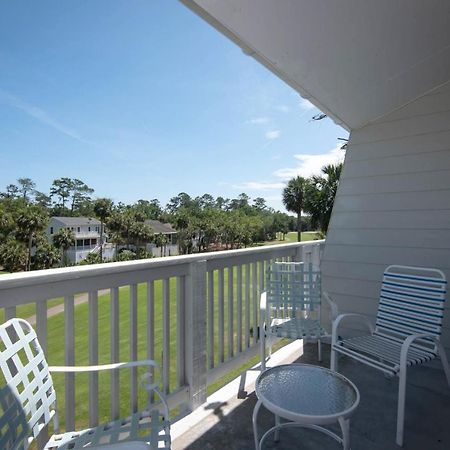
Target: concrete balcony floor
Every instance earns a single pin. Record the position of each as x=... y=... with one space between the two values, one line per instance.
x=373 y=425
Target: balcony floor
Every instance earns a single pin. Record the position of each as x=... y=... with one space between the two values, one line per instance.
x=373 y=425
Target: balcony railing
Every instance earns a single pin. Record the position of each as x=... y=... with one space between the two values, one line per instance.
x=197 y=315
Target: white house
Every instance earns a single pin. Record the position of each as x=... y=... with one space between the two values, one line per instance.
x=87 y=235
x=171 y=235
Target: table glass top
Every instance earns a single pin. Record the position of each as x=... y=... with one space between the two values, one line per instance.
x=306 y=390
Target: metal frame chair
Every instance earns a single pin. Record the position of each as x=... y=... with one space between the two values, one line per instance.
x=28 y=399
x=291 y=305
x=407 y=330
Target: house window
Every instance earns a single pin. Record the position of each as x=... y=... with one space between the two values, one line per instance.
x=96 y=229
x=51 y=230
x=93 y=241
x=89 y=228
x=87 y=242
x=79 y=242
x=78 y=229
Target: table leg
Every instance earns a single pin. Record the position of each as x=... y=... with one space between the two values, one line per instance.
x=276 y=436
x=255 y=424
x=345 y=427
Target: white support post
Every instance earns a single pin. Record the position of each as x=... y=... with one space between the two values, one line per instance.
x=298 y=256
x=195 y=337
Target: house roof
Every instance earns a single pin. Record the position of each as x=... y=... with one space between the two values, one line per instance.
x=355 y=60
x=77 y=221
x=160 y=227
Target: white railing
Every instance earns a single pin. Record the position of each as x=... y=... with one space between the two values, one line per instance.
x=197 y=315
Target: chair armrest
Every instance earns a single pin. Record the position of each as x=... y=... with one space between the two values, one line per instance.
x=407 y=343
x=332 y=304
x=341 y=317
x=100 y=367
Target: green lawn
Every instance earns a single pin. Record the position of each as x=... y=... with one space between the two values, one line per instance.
x=56 y=349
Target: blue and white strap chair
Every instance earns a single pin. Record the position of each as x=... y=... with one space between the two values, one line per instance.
x=407 y=330
x=291 y=305
x=28 y=400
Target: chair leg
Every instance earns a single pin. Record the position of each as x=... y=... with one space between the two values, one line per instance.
x=444 y=361
x=319 y=350
x=263 y=350
x=401 y=406
x=276 y=435
x=334 y=361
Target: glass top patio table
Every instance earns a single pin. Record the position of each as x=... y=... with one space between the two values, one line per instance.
x=307 y=393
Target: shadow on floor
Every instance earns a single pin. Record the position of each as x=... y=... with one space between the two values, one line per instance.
x=373 y=425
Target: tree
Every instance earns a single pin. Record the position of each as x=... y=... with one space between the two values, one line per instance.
x=13 y=255
x=160 y=241
x=80 y=193
x=102 y=209
x=63 y=239
x=293 y=196
x=320 y=193
x=45 y=255
x=42 y=199
x=61 y=188
x=12 y=191
x=26 y=185
x=30 y=222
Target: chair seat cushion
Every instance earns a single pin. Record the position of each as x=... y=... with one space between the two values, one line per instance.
x=142 y=426
x=297 y=328
x=382 y=352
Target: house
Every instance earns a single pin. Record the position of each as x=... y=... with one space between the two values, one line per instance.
x=170 y=247
x=86 y=231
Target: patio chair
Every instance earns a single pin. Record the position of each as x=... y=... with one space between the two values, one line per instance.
x=407 y=330
x=291 y=305
x=28 y=399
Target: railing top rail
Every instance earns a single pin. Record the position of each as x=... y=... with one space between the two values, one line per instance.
x=94 y=270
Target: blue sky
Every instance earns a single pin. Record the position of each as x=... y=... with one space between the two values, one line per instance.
x=143 y=99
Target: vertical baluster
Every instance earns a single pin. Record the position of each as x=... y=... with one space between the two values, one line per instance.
x=255 y=301
x=115 y=355
x=221 y=318
x=151 y=328
x=41 y=331
x=93 y=358
x=230 y=312
x=181 y=295
x=211 y=319
x=69 y=360
x=166 y=336
x=239 y=308
x=247 y=305
x=10 y=312
x=133 y=348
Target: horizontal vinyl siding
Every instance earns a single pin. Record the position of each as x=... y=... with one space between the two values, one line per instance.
x=393 y=204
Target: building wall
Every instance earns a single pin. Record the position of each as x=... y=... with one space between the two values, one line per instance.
x=393 y=203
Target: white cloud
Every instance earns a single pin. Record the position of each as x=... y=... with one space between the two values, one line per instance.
x=258 y=120
x=311 y=164
x=40 y=115
x=283 y=108
x=274 y=134
x=259 y=186
x=306 y=104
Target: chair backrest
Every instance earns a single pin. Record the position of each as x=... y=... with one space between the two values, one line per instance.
x=411 y=301
x=27 y=397
x=293 y=290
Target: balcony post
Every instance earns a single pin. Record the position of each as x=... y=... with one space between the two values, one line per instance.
x=195 y=334
x=298 y=256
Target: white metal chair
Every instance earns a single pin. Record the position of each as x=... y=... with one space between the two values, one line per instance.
x=291 y=305
x=28 y=399
x=407 y=330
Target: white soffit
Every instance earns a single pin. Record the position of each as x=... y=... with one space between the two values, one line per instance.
x=357 y=60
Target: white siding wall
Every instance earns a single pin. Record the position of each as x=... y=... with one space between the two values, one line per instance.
x=393 y=203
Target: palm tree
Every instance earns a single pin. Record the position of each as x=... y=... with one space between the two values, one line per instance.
x=31 y=221
x=293 y=196
x=320 y=194
x=64 y=239
x=102 y=209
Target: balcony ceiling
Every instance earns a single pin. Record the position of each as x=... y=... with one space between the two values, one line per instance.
x=355 y=60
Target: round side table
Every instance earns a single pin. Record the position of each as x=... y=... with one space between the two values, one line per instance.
x=307 y=396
